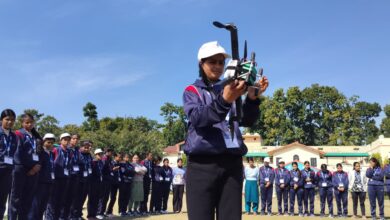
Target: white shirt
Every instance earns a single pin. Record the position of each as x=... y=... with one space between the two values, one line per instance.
x=178 y=176
x=251 y=173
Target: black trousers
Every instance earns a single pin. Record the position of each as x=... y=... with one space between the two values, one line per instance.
x=113 y=192
x=157 y=197
x=81 y=196
x=40 y=201
x=5 y=188
x=57 y=199
x=144 y=204
x=106 y=189
x=165 y=195
x=71 y=198
x=95 y=195
x=22 y=193
x=214 y=186
x=124 y=196
x=178 y=191
x=361 y=196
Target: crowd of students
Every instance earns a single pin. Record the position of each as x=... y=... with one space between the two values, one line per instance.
x=42 y=179
x=300 y=185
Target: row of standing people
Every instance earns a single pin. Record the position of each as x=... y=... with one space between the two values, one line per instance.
x=300 y=185
x=41 y=179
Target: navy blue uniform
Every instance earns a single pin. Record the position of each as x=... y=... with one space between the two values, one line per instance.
x=266 y=175
x=55 y=208
x=168 y=178
x=147 y=181
x=387 y=181
x=44 y=187
x=8 y=145
x=116 y=181
x=83 y=184
x=340 y=179
x=309 y=185
x=325 y=186
x=214 y=155
x=106 y=185
x=282 y=177
x=296 y=179
x=158 y=176
x=95 y=194
x=74 y=188
x=23 y=185
x=127 y=174
x=376 y=190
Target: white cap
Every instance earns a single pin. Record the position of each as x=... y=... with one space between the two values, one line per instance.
x=267 y=160
x=210 y=49
x=64 y=135
x=49 y=136
x=98 y=151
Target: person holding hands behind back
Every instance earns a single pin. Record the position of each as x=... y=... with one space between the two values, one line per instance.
x=214 y=151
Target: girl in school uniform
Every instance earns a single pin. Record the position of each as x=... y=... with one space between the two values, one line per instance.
x=282 y=180
x=116 y=181
x=74 y=180
x=62 y=158
x=358 y=188
x=166 y=186
x=137 y=188
x=324 y=183
x=8 y=145
x=178 y=183
x=296 y=189
x=387 y=175
x=267 y=177
x=157 y=186
x=376 y=188
x=214 y=151
x=46 y=178
x=309 y=186
x=25 y=173
x=251 y=187
x=127 y=174
x=340 y=185
x=95 y=191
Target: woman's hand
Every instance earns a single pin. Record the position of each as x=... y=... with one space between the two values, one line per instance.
x=234 y=90
x=260 y=86
x=34 y=170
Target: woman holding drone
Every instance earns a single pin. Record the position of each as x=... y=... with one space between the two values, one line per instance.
x=214 y=147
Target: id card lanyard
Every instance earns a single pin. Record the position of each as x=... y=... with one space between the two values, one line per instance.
x=7 y=143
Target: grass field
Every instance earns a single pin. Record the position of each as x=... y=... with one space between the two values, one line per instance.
x=183 y=216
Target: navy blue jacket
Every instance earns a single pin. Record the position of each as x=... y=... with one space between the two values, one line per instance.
x=376 y=176
x=340 y=177
x=86 y=166
x=62 y=160
x=282 y=174
x=158 y=174
x=149 y=166
x=107 y=168
x=293 y=175
x=324 y=177
x=26 y=149
x=127 y=172
x=168 y=175
x=309 y=174
x=8 y=146
x=97 y=171
x=76 y=162
x=266 y=172
x=47 y=166
x=116 y=176
x=387 y=174
x=206 y=112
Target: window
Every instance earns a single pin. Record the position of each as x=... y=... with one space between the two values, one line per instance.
x=313 y=162
x=296 y=158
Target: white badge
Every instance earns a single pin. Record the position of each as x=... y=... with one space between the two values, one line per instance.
x=324 y=184
x=167 y=179
x=296 y=179
x=76 y=168
x=228 y=140
x=161 y=179
x=53 y=176
x=101 y=179
x=85 y=173
x=266 y=179
x=281 y=181
x=35 y=157
x=112 y=174
x=308 y=183
x=119 y=179
x=66 y=172
x=90 y=170
x=341 y=185
x=8 y=160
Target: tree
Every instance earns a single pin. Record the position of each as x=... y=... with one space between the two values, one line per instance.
x=378 y=156
x=174 y=130
x=385 y=125
x=49 y=124
x=92 y=123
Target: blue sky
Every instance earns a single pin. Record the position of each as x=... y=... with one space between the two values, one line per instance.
x=129 y=57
